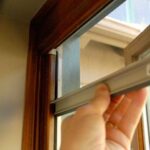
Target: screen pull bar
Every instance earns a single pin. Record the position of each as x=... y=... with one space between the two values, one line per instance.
x=134 y=76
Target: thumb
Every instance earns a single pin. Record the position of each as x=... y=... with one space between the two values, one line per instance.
x=101 y=100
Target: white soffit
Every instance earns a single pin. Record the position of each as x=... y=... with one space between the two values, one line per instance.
x=111 y=32
x=22 y=10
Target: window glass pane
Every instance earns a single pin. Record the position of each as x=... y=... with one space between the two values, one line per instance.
x=141 y=8
x=133 y=12
x=120 y=13
x=70 y=70
x=98 y=60
x=99 y=51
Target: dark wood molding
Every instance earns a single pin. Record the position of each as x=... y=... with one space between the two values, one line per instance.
x=47 y=93
x=42 y=14
x=55 y=22
x=40 y=84
x=140 y=135
x=64 y=18
x=31 y=101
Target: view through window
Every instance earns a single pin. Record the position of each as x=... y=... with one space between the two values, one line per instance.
x=100 y=51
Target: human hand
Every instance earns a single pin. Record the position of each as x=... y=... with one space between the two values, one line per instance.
x=104 y=124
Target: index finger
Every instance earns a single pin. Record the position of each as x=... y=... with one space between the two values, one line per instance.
x=102 y=99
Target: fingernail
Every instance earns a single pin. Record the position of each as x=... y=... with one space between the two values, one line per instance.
x=102 y=87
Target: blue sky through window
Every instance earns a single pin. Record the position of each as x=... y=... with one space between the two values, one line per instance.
x=133 y=12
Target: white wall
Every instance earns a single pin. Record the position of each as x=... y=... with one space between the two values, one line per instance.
x=13 y=58
x=99 y=60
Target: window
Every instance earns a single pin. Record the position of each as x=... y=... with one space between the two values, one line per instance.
x=49 y=29
x=88 y=61
x=89 y=53
x=64 y=107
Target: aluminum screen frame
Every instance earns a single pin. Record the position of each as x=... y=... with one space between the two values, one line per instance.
x=135 y=76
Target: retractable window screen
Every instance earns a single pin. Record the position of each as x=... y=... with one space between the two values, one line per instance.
x=136 y=75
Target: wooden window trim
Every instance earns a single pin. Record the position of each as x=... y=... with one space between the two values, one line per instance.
x=40 y=83
x=55 y=22
x=63 y=19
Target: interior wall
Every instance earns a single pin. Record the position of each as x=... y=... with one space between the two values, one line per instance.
x=13 y=59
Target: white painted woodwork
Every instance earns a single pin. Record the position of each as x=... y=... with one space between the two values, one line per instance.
x=110 y=32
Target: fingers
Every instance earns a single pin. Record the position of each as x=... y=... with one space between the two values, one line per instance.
x=66 y=121
x=102 y=99
x=98 y=105
x=112 y=106
x=132 y=116
x=115 y=135
x=120 y=111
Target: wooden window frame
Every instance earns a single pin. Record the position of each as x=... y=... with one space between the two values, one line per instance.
x=53 y=24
